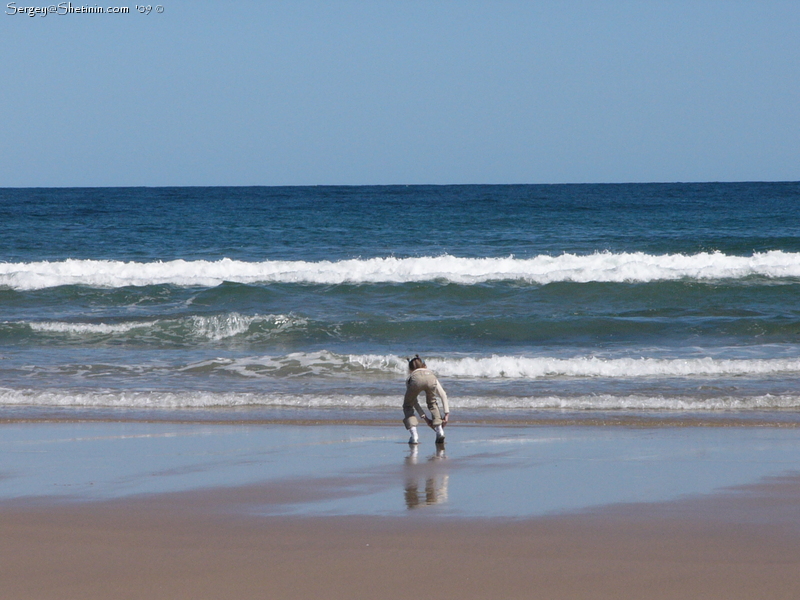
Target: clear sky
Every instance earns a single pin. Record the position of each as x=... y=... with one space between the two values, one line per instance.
x=401 y=92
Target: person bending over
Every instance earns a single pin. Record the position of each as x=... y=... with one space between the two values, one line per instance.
x=423 y=380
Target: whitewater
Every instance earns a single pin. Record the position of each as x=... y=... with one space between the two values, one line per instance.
x=343 y=404
x=635 y=267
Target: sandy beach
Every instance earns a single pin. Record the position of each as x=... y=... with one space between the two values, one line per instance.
x=336 y=512
x=168 y=549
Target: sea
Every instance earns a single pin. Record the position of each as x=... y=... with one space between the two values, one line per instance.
x=528 y=301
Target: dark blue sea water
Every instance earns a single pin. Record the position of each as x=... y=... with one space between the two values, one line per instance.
x=630 y=297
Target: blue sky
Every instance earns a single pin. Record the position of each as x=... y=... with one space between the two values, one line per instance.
x=402 y=92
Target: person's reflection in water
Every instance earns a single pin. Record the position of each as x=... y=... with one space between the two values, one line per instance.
x=435 y=488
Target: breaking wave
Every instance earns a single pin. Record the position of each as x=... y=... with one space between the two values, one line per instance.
x=511 y=367
x=514 y=367
x=532 y=368
x=82 y=328
x=325 y=364
x=197 y=399
x=542 y=269
x=190 y=328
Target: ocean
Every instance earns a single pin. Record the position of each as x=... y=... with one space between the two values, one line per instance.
x=528 y=301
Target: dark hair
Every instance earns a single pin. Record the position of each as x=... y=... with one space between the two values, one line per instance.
x=415 y=363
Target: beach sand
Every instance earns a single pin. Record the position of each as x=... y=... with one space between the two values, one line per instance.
x=411 y=531
x=175 y=547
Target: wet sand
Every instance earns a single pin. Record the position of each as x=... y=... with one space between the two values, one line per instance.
x=187 y=545
x=368 y=470
x=322 y=512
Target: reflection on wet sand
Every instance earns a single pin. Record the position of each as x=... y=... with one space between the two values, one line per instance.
x=435 y=489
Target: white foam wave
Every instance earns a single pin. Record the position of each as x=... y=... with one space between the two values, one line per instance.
x=214 y=327
x=532 y=368
x=84 y=328
x=329 y=364
x=192 y=399
x=520 y=367
x=542 y=269
x=319 y=364
x=219 y=327
x=178 y=400
x=608 y=402
x=366 y=367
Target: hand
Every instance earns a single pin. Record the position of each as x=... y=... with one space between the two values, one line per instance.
x=446 y=419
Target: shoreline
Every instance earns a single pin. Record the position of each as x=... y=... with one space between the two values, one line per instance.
x=789 y=418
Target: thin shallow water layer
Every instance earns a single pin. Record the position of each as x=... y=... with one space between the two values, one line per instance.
x=483 y=471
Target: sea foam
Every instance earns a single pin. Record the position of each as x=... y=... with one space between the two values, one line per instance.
x=624 y=368
x=83 y=328
x=146 y=400
x=522 y=367
x=329 y=364
x=542 y=269
x=193 y=328
x=370 y=367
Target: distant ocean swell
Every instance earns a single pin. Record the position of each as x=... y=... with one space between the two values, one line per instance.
x=542 y=269
x=201 y=399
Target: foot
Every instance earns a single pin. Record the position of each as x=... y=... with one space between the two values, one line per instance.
x=439 y=435
x=414 y=439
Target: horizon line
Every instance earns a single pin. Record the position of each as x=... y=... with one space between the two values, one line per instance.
x=374 y=185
